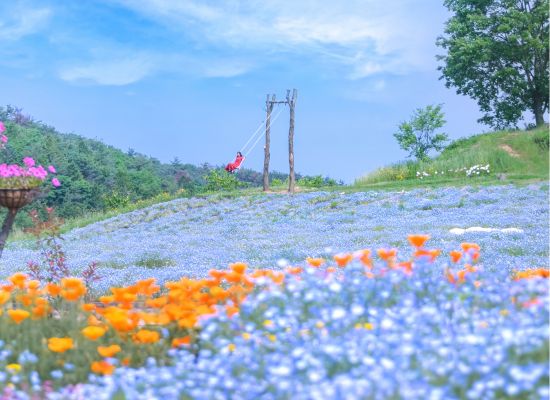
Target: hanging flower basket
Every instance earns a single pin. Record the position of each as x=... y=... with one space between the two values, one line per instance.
x=17 y=198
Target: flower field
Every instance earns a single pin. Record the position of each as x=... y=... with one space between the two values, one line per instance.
x=315 y=296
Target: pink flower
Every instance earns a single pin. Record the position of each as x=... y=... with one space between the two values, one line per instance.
x=3 y=138
x=51 y=168
x=29 y=162
x=56 y=182
x=2 y=127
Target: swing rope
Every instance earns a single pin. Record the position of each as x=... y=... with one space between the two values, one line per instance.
x=252 y=137
x=260 y=136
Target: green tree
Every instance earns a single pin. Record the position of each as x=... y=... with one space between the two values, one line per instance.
x=497 y=53
x=418 y=136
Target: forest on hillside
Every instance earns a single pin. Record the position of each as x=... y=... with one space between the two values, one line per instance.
x=96 y=176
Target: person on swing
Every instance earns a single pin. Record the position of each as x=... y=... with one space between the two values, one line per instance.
x=231 y=167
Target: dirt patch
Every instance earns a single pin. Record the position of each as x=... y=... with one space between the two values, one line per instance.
x=509 y=150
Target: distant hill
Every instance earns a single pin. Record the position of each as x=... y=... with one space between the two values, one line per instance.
x=509 y=154
x=96 y=176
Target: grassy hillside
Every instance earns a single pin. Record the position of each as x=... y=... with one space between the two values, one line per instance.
x=98 y=178
x=511 y=156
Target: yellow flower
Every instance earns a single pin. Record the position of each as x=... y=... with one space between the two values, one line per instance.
x=368 y=326
x=231 y=347
x=246 y=336
x=13 y=368
x=93 y=332
x=60 y=345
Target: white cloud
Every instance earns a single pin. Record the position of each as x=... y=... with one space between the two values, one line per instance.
x=115 y=72
x=225 y=69
x=115 y=65
x=21 y=22
x=367 y=37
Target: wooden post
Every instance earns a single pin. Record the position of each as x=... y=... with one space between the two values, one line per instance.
x=6 y=227
x=292 y=104
x=269 y=109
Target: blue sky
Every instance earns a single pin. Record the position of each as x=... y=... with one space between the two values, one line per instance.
x=189 y=78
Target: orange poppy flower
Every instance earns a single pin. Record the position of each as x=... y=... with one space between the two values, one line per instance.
x=418 y=240
x=182 y=341
x=4 y=297
x=72 y=289
x=277 y=277
x=18 y=279
x=469 y=246
x=231 y=310
x=88 y=307
x=343 y=259
x=407 y=266
x=216 y=274
x=294 y=270
x=18 y=315
x=450 y=277
x=218 y=293
x=60 y=345
x=455 y=256
x=40 y=311
x=238 y=267
x=461 y=275
x=26 y=299
x=387 y=254
x=52 y=289
x=315 y=262
x=365 y=257
x=93 y=332
x=156 y=302
x=108 y=351
x=145 y=336
x=33 y=284
x=102 y=367
x=107 y=299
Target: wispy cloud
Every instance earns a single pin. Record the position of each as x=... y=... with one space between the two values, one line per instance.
x=116 y=65
x=23 y=21
x=108 y=71
x=365 y=36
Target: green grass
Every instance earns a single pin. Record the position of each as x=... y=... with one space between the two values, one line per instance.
x=155 y=261
x=512 y=155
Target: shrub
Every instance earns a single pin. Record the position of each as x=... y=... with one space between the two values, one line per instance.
x=218 y=180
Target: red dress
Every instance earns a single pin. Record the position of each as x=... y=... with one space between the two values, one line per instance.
x=235 y=164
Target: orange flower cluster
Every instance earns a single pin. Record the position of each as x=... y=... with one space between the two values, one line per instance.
x=468 y=249
x=131 y=317
x=532 y=273
x=183 y=303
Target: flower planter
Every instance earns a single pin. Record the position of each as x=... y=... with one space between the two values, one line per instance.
x=13 y=200
x=17 y=198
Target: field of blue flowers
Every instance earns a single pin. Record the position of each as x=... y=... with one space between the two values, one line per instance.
x=190 y=236
x=337 y=335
